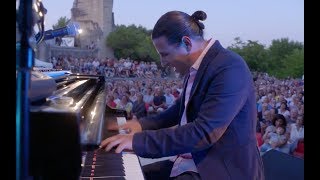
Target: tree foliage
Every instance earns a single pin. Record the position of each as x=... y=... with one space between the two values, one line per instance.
x=62 y=22
x=294 y=64
x=133 y=42
x=253 y=52
x=278 y=51
x=282 y=59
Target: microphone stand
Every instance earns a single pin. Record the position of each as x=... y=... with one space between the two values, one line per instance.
x=24 y=65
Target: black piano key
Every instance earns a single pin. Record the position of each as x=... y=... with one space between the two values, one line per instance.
x=109 y=156
x=110 y=166
x=102 y=152
x=99 y=162
x=106 y=172
x=109 y=178
x=101 y=159
x=102 y=178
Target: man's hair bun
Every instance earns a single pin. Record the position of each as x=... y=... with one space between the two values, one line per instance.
x=199 y=16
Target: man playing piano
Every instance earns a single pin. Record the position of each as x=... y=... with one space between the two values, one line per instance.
x=215 y=115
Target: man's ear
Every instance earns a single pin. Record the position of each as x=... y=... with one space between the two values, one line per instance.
x=187 y=43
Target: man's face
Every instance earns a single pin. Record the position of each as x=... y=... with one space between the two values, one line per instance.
x=173 y=55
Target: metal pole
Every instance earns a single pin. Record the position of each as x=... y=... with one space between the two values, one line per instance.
x=23 y=64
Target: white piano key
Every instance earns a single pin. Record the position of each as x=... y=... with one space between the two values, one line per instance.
x=132 y=167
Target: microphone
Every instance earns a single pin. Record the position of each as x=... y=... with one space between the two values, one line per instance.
x=71 y=29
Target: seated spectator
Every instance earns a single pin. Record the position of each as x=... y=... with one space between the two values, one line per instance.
x=294 y=104
x=159 y=102
x=140 y=71
x=175 y=92
x=169 y=97
x=296 y=133
x=278 y=120
x=139 y=107
x=265 y=121
x=148 y=96
x=273 y=112
x=280 y=100
x=265 y=103
x=110 y=101
x=109 y=70
x=301 y=109
x=153 y=66
x=116 y=97
x=284 y=110
x=293 y=116
x=273 y=139
x=132 y=95
x=125 y=104
x=148 y=74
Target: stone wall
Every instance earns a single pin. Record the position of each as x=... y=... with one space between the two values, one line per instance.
x=72 y=51
x=95 y=18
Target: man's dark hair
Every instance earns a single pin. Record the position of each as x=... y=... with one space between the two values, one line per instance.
x=176 y=24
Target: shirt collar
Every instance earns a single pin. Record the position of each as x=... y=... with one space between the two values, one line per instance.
x=196 y=64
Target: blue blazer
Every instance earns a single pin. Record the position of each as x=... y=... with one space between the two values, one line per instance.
x=221 y=128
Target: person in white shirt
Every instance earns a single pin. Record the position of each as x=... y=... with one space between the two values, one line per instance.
x=296 y=133
x=148 y=96
x=284 y=110
x=169 y=97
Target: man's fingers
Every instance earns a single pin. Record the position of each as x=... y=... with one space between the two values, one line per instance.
x=105 y=142
x=121 y=141
x=112 y=144
x=120 y=148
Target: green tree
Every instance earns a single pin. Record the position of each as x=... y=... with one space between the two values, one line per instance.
x=133 y=42
x=62 y=22
x=146 y=51
x=282 y=59
x=293 y=65
x=278 y=51
x=253 y=53
x=237 y=45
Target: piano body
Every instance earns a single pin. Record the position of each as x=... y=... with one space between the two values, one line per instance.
x=66 y=129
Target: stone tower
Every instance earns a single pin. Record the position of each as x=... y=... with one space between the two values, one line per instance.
x=96 y=20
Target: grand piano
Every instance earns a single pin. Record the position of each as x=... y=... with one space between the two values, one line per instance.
x=66 y=129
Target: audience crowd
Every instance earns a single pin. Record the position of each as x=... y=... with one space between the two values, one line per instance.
x=143 y=88
x=110 y=67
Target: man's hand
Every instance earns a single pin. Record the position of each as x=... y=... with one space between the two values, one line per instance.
x=133 y=126
x=122 y=141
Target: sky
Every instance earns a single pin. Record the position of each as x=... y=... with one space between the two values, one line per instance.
x=256 y=20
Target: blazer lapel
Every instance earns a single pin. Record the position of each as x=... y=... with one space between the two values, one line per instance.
x=182 y=95
x=211 y=54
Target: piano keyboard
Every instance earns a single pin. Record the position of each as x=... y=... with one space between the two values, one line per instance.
x=101 y=165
